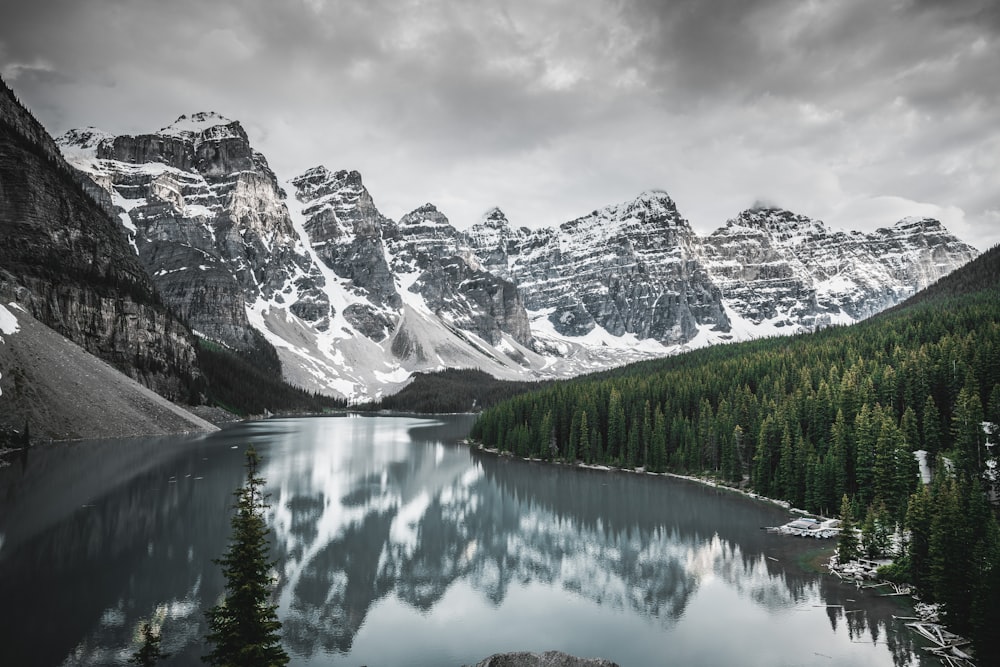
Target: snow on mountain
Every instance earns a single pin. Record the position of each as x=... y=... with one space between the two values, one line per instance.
x=204 y=213
x=631 y=268
x=355 y=302
x=206 y=124
x=792 y=272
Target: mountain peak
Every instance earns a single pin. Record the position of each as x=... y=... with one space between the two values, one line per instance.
x=654 y=195
x=82 y=142
x=779 y=223
x=495 y=219
x=349 y=177
x=427 y=208
x=188 y=126
x=914 y=222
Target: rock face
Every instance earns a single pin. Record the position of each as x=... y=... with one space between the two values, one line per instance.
x=633 y=268
x=786 y=270
x=438 y=263
x=70 y=266
x=206 y=216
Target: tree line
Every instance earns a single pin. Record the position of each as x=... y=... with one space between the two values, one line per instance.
x=813 y=419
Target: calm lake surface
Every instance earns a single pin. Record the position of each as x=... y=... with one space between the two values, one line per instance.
x=398 y=546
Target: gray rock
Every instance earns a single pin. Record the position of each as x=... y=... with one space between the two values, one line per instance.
x=346 y=230
x=546 y=659
x=631 y=268
x=772 y=264
x=70 y=266
x=210 y=224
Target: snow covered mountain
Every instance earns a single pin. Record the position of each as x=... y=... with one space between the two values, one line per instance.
x=779 y=270
x=355 y=302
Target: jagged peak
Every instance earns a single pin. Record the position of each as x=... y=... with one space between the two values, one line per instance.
x=918 y=222
x=494 y=219
x=82 y=142
x=654 y=195
x=425 y=209
x=84 y=137
x=187 y=126
x=349 y=177
x=425 y=215
x=775 y=221
x=914 y=226
x=319 y=172
x=320 y=175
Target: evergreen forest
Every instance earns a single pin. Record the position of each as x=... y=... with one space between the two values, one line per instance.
x=815 y=418
x=250 y=382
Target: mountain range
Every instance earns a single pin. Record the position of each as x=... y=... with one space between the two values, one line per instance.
x=355 y=302
x=208 y=243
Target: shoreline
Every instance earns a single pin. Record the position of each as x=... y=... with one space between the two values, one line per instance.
x=816 y=563
x=705 y=481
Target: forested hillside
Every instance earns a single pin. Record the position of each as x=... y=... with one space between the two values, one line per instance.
x=814 y=418
x=250 y=382
x=452 y=390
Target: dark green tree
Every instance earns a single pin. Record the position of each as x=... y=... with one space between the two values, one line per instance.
x=149 y=653
x=876 y=530
x=966 y=425
x=244 y=630
x=847 y=546
x=919 y=514
x=933 y=435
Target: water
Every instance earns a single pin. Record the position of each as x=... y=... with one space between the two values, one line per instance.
x=397 y=546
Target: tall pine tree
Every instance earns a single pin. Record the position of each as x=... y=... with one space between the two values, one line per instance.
x=244 y=629
x=847 y=546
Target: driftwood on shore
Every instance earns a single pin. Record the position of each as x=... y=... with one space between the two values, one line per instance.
x=947 y=646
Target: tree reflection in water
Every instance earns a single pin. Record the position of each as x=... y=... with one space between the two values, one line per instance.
x=371 y=514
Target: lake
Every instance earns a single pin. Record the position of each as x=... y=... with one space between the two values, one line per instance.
x=398 y=546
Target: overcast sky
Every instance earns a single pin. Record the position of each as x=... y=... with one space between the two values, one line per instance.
x=857 y=112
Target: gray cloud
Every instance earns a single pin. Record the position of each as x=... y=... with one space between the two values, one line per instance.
x=845 y=111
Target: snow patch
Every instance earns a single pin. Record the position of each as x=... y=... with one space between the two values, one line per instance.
x=8 y=322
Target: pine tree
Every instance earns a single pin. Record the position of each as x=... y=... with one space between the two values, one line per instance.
x=244 y=629
x=149 y=653
x=875 y=531
x=847 y=546
x=966 y=425
x=616 y=428
x=919 y=514
x=932 y=428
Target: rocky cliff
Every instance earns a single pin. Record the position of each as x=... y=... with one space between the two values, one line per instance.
x=633 y=268
x=71 y=267
x=205 y=215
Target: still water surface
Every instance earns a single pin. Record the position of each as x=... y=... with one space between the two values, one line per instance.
x=398 y=546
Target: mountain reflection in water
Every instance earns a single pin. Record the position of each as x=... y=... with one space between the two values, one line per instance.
x=397 y=546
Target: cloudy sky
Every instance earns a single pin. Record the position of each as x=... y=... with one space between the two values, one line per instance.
x=857 y=112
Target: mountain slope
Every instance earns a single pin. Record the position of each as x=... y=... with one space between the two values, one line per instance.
x=72 y=394
x=71 y=267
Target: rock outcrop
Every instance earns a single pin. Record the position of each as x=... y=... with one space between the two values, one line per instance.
x=546 y=659
x=633 y=268
x=71 y=267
